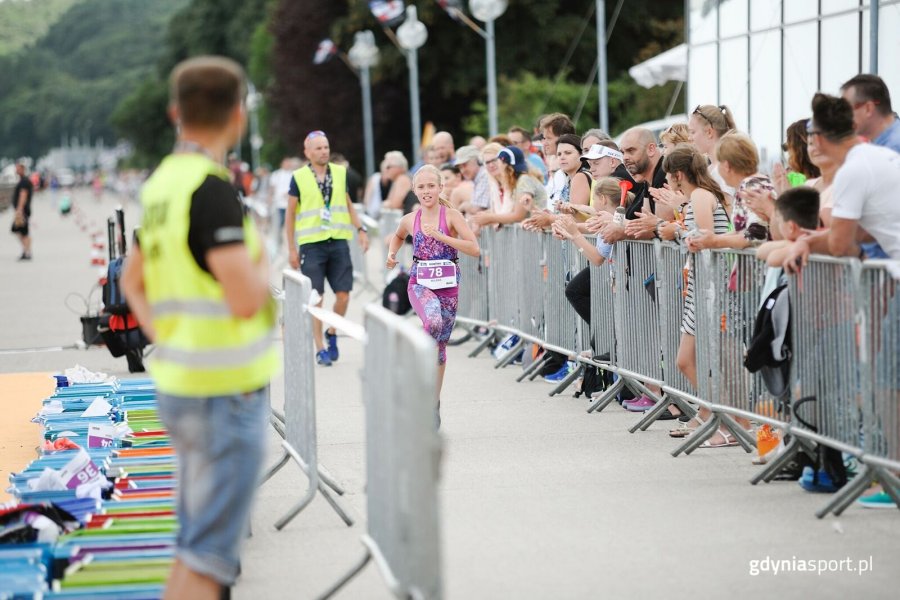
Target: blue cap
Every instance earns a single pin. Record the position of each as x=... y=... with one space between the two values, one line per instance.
x=514 y=157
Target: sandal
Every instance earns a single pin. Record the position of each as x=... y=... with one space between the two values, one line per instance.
x=686 y=428
x=729 y=440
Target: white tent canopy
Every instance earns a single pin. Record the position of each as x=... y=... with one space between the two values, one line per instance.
x=671 y=65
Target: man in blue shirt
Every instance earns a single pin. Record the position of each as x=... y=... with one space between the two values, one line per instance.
x=873 y=117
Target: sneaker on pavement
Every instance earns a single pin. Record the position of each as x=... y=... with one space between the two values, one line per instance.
x=559 y=375
x=822 y=483
x=642 y=404
x=878 y=500
x=331 y=340
x=322 y=358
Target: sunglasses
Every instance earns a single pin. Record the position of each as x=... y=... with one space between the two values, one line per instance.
x=314 y=134
x=491 y=161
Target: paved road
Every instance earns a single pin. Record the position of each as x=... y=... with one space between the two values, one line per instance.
x=539 y=500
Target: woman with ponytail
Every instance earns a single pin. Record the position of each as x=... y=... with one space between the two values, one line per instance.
x=707 y=125
x=439 y=233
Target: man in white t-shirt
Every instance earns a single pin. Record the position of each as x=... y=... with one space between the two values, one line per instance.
x=279 y=185
x=866 y=213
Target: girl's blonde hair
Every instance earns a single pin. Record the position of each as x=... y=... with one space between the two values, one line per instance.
x=718 y=117
x=739 y=151
x=432 y=170
x=608 y=188
x=679 y=133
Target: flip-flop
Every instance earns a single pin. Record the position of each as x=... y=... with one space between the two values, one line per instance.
x=685 y=429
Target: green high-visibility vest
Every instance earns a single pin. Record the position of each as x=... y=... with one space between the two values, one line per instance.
x=308 y=224
x=202 y=349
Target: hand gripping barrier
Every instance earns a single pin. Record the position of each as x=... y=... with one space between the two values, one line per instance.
x=298 y=423
x=403 y=452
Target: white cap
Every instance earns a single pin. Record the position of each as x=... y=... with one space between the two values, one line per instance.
x=599 y=151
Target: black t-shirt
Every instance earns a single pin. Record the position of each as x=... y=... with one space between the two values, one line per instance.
x=641 y=191
x=354 y=185
x=217 y=218
x=24 y=184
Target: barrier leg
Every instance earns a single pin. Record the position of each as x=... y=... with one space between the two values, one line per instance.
x=330 y=481
x=537 y=372
x=337 y=508
x=511 y=355
x=606 y=398
x=700 y=435
x=850 y=492
x=569 y=380
x=653 y=414
x=461 y=340
x=794 y=448
x=484 y=344
x=346 y=578
x=743 y=437
x=890 y=483
x=278 y=426
x=532 y=368
x=309 y=495
x=278 y=414
x=285 y=457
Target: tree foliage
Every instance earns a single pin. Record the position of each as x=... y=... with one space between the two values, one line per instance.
x=22 y=22
x=70 y=81
x=533 y=38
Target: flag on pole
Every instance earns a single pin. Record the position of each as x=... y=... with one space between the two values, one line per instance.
x=324 y=52
x=452 y=7
x=389 y=13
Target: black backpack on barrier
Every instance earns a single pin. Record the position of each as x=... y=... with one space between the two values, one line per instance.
x=395 y=298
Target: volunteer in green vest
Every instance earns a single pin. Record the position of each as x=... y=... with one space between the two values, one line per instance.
x=198 y=282
x=321 y=221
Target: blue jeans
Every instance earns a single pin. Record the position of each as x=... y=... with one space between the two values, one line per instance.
x=219 y=442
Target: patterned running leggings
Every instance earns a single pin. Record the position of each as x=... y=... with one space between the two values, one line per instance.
x=438 y=314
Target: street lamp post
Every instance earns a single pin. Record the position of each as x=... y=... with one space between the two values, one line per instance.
x=489 y=11
x=412 y=35
x=253 y=100
x=364 y=55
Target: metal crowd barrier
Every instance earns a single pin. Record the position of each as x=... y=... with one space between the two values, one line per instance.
x=388 y=221
x=360 y=258
x=403 y=452
x=298 y=423
x=846 y=332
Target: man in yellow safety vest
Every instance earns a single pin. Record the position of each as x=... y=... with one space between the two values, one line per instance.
x=198 y=282
x=321 y=220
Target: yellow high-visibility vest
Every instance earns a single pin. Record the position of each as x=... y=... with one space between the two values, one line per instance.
x=202 y=349
x=308 y=224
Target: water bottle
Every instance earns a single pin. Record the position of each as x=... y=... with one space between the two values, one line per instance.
x=394 y=302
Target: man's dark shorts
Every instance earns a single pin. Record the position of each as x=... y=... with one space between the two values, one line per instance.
x=21 y=229
x=327 y=260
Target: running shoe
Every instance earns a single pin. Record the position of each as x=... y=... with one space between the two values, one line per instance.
x=821 y=482
x=331 y=339
x=642 y=404
x=323 y=358
x=560 y=375
x=877 y=500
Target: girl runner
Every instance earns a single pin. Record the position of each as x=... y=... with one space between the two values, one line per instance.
x=438 y=233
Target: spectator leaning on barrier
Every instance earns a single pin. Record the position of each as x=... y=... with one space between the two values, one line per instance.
x=321 y=221
x=864 y=190
x=198 y=283
x=552 y=127
x=577 y=187
x=873 y=116
x=677 y=133
x=450 y=178
x=822 y=184
x=707 y=124
x=473 y=194
x=796 y=214
x=801 y=167
x=578 y=290
x=513 y=189
x=519 y=137
x=399 y=194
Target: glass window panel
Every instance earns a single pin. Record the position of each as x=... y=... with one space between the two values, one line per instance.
x=702 y=21
x=833 y=6
x=800 y=70
x=702 y=73
x=733 y=79
x=798 y=10
x=733 y=17
x=889 y=50
x=765 y=96
x=765 y=14
x=840 y=51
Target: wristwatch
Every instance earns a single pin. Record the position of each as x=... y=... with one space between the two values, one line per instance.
x=362 y=229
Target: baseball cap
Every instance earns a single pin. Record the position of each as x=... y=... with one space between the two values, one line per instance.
x=466 y=153
x=599 y=151
x=514 y=157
